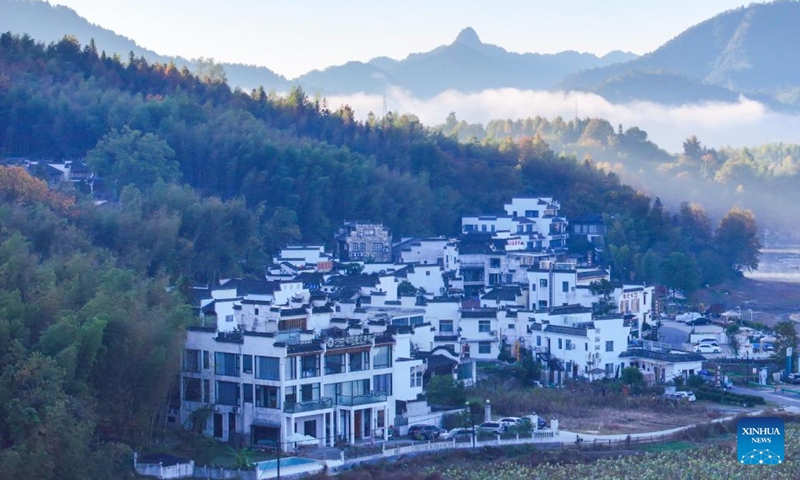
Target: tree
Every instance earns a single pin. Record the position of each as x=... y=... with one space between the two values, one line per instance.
x=679 y=272
x=132 y=157
x=731 y=331
x=602 y=291
x=737 y=240
x=787 y=337
x=445 y=390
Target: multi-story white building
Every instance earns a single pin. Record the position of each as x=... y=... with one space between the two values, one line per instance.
x=534 y=220
x=571 y=342
x=266 y=386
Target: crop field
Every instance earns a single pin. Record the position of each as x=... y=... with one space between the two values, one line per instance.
x=716 y=462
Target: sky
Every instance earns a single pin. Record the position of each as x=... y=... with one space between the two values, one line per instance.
x=292 y=37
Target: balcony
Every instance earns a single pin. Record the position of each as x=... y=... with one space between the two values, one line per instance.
x=353 y=401
x=300 y=407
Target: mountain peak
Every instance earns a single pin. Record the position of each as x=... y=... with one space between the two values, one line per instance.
x=468 y=36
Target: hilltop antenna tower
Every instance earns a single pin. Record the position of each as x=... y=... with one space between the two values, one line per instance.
x=385 y=109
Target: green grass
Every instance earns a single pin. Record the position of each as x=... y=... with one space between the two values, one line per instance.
x=669 y=447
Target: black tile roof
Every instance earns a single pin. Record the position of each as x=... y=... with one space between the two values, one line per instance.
x=664 y=356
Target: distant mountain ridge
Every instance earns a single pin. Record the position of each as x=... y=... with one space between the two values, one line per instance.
x=49 y=23
x=467 y=65
x=751 y=50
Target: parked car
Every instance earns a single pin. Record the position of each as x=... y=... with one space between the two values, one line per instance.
x=687 y=317
x=491 y=427
x=509 y=422
x=458 y=432
x=698 y=321
x=709 y=341
x=793 y=378
x=424 y=432
x=702 y=348
x=540 y=422
x=685 y=395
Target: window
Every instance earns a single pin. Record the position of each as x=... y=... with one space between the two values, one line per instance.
x=484 y=326
x=359 y=361
x=309 y=366
x=309 y=392
x=207 y=391
x=290 y=395
x=529 y=213
x=228 y=318
x=380 y=419
x=334 y=364
x=227 y=393
x=428 y=273
x=565 y=286
x=377 y=247
x=568 y=344
x=465 y=371
x=382 y=357
x=511 y=326
x=484 y=347
x=191 y=361
x=417 y=320
x=226 y=364
x=192 y=390
x=610 y=346
x=542 y=303
x=543 y=282
x=248 y=392
x=494 y=263
x=256 y=310
x=382 y=383
x=446 y=326
x=206 y=360
x=269 y=368
x=559 y=344
x=291 y=368
x=538 y=340
x=586 y=346
x=609 y=369
x=247 y=363
x=267 y=396
x=416 y=376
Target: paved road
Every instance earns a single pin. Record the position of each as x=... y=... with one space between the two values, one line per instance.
x=669 y=333
x=783 y=400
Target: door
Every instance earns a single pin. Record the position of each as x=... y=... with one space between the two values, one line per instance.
x=231 y=424
x=368 y=422
x=218 y=425
x=357 y=424
x=310 y=428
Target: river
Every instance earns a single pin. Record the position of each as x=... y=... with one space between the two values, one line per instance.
x=780 y=264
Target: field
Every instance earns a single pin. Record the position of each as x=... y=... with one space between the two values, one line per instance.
x=707 y=454
x=596 y=408
x=770 y=301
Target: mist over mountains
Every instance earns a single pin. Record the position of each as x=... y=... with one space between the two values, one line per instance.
x=733 y=79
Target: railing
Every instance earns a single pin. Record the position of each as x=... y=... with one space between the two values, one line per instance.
x=305 y=346
x=355 y=400
x=299 y=407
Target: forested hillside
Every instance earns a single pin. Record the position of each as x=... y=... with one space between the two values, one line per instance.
x=762 y=179
x=208 y=181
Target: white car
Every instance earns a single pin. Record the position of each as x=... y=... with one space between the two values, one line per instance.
x=689 y=396
x=687 y=317
x=509 y=422
x=705 y=348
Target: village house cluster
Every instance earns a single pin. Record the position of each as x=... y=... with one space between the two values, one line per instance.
x=342 y=354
